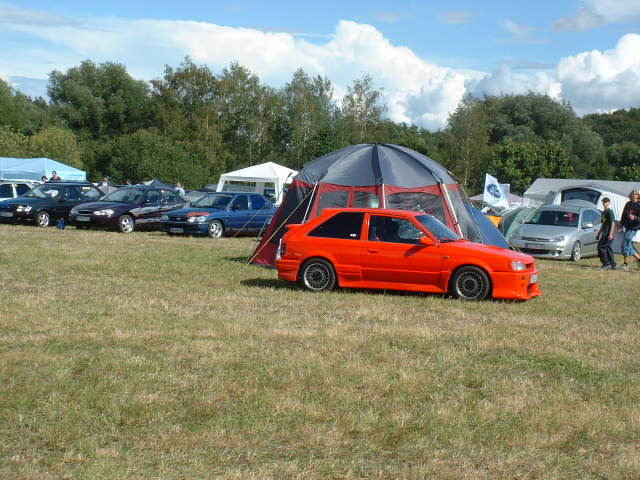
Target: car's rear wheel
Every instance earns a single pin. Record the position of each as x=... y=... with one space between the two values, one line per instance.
x=470 y=283
x=126 y=224
x=215 y=229
x=43 y=219
x=576 y=252
x=318 y=275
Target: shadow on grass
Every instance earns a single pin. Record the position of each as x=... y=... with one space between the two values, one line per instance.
x=282 y=285
x=237 y=259
x=269 y=283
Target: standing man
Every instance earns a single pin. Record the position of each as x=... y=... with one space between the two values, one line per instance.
x=630 y=221
x=605 y=236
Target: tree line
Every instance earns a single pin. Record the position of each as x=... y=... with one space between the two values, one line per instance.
x=193 y=124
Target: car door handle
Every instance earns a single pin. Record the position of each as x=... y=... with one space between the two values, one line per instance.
x=373 y=251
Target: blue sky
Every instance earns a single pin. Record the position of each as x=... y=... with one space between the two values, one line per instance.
x=425 y=54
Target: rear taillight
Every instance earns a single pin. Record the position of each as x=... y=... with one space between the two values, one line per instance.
x=282 y=250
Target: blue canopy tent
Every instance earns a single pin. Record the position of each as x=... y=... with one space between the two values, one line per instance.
x=35 y=168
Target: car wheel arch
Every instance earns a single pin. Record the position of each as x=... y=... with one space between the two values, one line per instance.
x=326 y=258
x=486 y=271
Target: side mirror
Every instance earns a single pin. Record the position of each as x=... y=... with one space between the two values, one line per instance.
x=426 y=241
x=587 y=225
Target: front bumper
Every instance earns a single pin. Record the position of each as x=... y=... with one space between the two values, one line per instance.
x=11 y=216
x=557 y=250
x=185 y=227
x=100 y=221
x=516 y=285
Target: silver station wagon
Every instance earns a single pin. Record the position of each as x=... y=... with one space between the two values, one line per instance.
x=566 y=231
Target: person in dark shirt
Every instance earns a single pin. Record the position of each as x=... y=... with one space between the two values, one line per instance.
x=605 y=236
x=630 y=222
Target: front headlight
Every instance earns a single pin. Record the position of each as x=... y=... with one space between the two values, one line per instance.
x=558 y=239
x=107 y=212
x=24 y=208
x=164 y=218
x=517 y=266
x=73 y=211
x=199 y=219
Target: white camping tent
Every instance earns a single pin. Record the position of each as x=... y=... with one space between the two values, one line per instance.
x=260 y=175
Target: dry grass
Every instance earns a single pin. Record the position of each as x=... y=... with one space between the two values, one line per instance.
x=146 y=356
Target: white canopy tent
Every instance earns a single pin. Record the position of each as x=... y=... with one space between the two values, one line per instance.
x=260 y=175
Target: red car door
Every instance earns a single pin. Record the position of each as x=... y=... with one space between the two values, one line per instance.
x=392 y=253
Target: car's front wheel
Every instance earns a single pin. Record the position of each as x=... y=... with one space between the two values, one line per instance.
x=215 y=229
x=126 y=224
x=470 y=283
x=576 y=252
x=43 y=219
x=318 y=275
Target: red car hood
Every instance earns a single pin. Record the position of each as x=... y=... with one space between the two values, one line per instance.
x=465 y=247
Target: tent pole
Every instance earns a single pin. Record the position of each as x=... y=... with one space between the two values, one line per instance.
x=453 y=212
x=313 y=192
x=384 y=198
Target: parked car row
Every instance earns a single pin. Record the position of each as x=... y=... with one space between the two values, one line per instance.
x=139 y=207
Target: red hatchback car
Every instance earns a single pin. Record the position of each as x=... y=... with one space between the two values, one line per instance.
x=400 y=250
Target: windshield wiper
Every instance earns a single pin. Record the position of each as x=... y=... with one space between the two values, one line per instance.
x=448 y=240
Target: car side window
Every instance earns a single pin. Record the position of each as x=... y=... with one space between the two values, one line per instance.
x=393 y=230
x=22 y=188
x=346 y=225
x=6 y=191
x=591 y=216
x=153 y=196
x=257 y=202
x=169 y=197
x=240 y=203
x=90 y=193
x=72 y=193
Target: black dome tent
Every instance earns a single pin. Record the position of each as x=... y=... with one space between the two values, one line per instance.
x=370 y=175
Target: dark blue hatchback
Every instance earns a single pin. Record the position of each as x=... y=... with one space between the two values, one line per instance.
x=219 y=213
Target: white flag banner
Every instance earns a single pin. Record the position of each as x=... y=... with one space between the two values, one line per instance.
x=494 y=195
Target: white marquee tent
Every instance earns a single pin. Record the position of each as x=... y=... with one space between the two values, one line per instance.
x=261 y=175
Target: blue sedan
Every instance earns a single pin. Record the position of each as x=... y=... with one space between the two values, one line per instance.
x=220 y=213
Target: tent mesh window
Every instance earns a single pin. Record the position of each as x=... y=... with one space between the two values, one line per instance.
x=332 y=200
x=469 y=229
x=365 y=200
x=419 y=202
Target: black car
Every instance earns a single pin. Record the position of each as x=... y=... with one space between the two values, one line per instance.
x=127 y=209
x=48 y=202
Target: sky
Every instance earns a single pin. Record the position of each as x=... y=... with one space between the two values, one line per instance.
x=424 y=55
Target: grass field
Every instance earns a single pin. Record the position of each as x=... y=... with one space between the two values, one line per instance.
x=152 y=357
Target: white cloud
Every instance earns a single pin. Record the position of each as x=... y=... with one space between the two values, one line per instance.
x=416 y=91
x=600 y=12
x=21 y=16
x=454 y=17
x=603 y=81
x=516 y=28
x=505 y=81
x=585 y=19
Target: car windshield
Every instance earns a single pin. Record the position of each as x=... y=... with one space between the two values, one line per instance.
x=213 y=201
x=45 y=191
x=438 y=229
x=125 y=195
x=558 y=218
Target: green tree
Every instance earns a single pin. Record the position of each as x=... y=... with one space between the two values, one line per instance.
x=14 y=144
x=537 y=118
x=468 y=142
x=309 y=111
x=59 y=144
x=362 y=110
x=520 y=163
x=99 y=101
